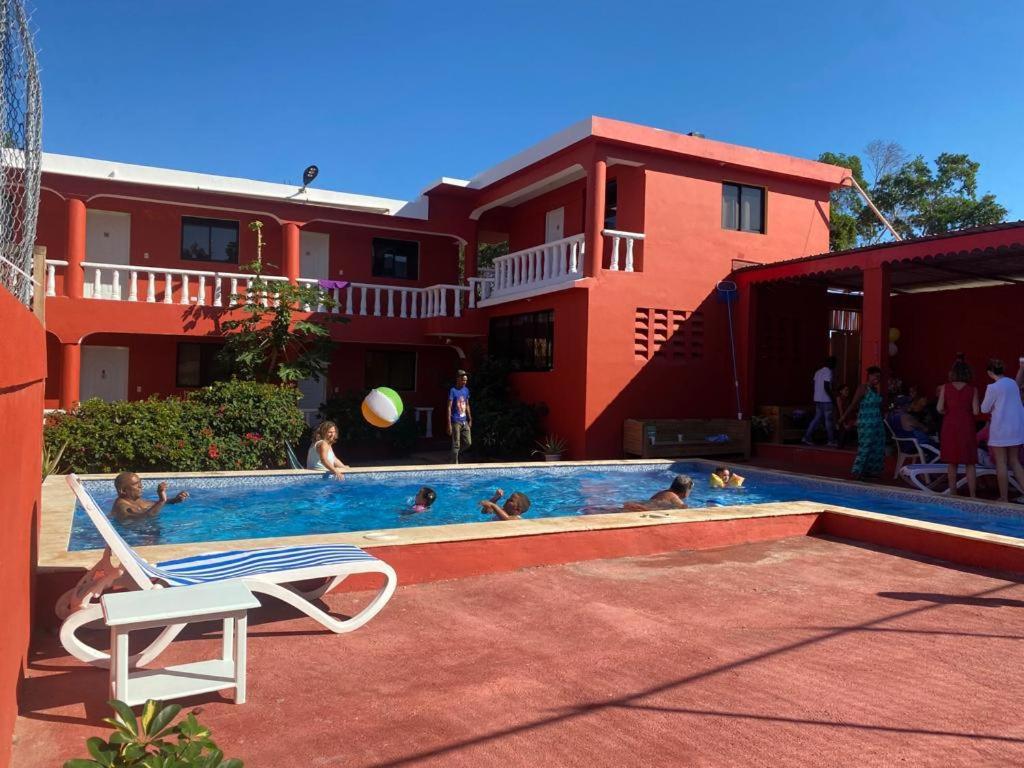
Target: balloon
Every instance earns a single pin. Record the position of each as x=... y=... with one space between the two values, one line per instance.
x=893 y=349
x=382 y=407
x=894 y=335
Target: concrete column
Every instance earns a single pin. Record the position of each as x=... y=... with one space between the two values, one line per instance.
x=745 y=329
x=70 y=375
x=290 y=248
x=74 y=278
x=874 y=322
x=596 y=180
x=470 y=255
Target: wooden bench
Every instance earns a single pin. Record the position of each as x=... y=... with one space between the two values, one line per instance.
x=681 y=438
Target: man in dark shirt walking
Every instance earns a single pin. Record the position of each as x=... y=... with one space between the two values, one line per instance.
x=460 y=417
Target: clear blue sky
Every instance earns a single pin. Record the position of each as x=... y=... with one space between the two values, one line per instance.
x=387 y=96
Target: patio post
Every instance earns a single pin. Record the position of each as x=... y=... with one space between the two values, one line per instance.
x=874 y=339
x=70 y=374
x=291 y=257
x=74 y=277
x=596 y=179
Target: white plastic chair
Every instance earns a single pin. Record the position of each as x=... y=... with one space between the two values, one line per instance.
x=910 y=449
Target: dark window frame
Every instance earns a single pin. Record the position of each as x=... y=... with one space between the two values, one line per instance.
x=211 y=224
x=526 y=340
x=390 y=354
x=208 y=366
x=379 y=256
x=611 y=204
x=739 y=207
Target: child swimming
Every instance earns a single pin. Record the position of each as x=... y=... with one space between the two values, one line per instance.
x=723 y=477
x=425 y=496
x=515 y=505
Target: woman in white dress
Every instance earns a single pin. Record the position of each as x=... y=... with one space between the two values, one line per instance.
x=321 y=452
x=1006 y=433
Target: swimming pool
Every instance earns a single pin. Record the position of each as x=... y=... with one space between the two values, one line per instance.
x=225 y=508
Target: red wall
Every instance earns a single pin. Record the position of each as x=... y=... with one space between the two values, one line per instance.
x=935 y=326
x=22 y=370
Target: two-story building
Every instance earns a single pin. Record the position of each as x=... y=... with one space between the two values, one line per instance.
x=618 y=235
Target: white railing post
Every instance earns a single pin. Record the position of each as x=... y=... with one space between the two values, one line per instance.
x=336 y=295
x=115 y=285
x=201 y=295
x=151 y=287
x=51 y=280
x=133 y=286
x=391 y=302
x=185 y=298
x=218 y=290
x=573 y=258
x=233 y=290
x=362 y=300
x=376 y=302
x=168 y=286
x=348 y=300
x=97 y=283
x=444 y=301
x=401 y=302
x=457 y=299
x=413 y=313
x=629 y=254
x=614 y=263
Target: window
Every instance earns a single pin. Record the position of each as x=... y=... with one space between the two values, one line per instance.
x=209 y=240
x=527 y=341
x=385 y=368
x=611 y=205
x=742 y=208
x=396 y=258
x=198 y=365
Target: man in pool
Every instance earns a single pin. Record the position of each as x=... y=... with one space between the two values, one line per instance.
x=673 y=497
x=130 y=504
x=515 y=505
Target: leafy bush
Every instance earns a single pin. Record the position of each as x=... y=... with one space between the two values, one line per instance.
x=231 y=425
x=153 y=742
x=355 y=432
x=503 y=427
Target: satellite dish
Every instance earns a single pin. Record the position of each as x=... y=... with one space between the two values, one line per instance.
x=309 y=174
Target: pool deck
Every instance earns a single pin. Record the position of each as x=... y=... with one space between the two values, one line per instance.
x=803 y=651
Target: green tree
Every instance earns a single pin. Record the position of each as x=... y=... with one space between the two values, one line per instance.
x=917 y=198
x=268 y=343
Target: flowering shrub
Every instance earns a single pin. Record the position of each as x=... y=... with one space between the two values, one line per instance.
x=228 y=426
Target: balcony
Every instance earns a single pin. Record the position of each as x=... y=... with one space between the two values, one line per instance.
x=187 y=287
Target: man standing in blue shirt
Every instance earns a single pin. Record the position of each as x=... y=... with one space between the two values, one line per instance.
x=460 y=417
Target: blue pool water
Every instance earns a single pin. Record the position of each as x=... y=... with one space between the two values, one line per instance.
x=225 y=508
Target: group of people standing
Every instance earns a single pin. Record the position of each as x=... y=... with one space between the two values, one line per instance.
x=958 y=404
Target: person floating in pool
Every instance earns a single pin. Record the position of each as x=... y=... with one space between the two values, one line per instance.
x=130 y=504
x=723 y=477
x=514 y=508
x=425 y=496
x=673 y=497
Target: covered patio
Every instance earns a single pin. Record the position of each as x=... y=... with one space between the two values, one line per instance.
x=944 y=295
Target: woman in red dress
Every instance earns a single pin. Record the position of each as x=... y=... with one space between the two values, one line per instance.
x=958 y=443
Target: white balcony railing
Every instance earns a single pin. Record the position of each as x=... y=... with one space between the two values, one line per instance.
x=618 y=237
x=548 y=266
x=122 y=282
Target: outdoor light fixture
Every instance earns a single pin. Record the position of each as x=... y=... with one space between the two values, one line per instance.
x=308 y=175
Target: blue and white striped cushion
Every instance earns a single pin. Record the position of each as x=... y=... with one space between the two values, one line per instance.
x=219 y=566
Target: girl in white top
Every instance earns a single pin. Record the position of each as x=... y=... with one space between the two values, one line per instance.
x=1006 y=433
x=321 y=452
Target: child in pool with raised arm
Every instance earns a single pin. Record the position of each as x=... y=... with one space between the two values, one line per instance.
x=723 y=477
x=514 y=508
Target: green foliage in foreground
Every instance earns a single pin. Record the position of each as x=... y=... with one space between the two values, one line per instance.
x=231 y=425
x=153 y=742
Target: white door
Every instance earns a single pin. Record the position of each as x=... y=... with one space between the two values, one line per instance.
x=314 y=255
x=554 y=225
x=313 y=394
x=104 y=373
x=108 y=237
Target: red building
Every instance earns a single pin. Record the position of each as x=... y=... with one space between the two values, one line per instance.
x=618 y=235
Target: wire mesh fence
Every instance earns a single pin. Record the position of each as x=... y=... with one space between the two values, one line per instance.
x=20 y=150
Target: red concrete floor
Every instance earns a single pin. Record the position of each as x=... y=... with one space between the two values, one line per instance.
x=798 y=652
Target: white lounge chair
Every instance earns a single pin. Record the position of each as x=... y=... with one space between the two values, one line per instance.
x=925 y=477
x=910 y=449
x=293 y=459
x=264 y=571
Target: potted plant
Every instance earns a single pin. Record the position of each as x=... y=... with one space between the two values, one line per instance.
x=551 y=447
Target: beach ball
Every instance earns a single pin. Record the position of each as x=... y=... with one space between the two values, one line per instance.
x=894 y=335
x=893 y=349
x=382 y=407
